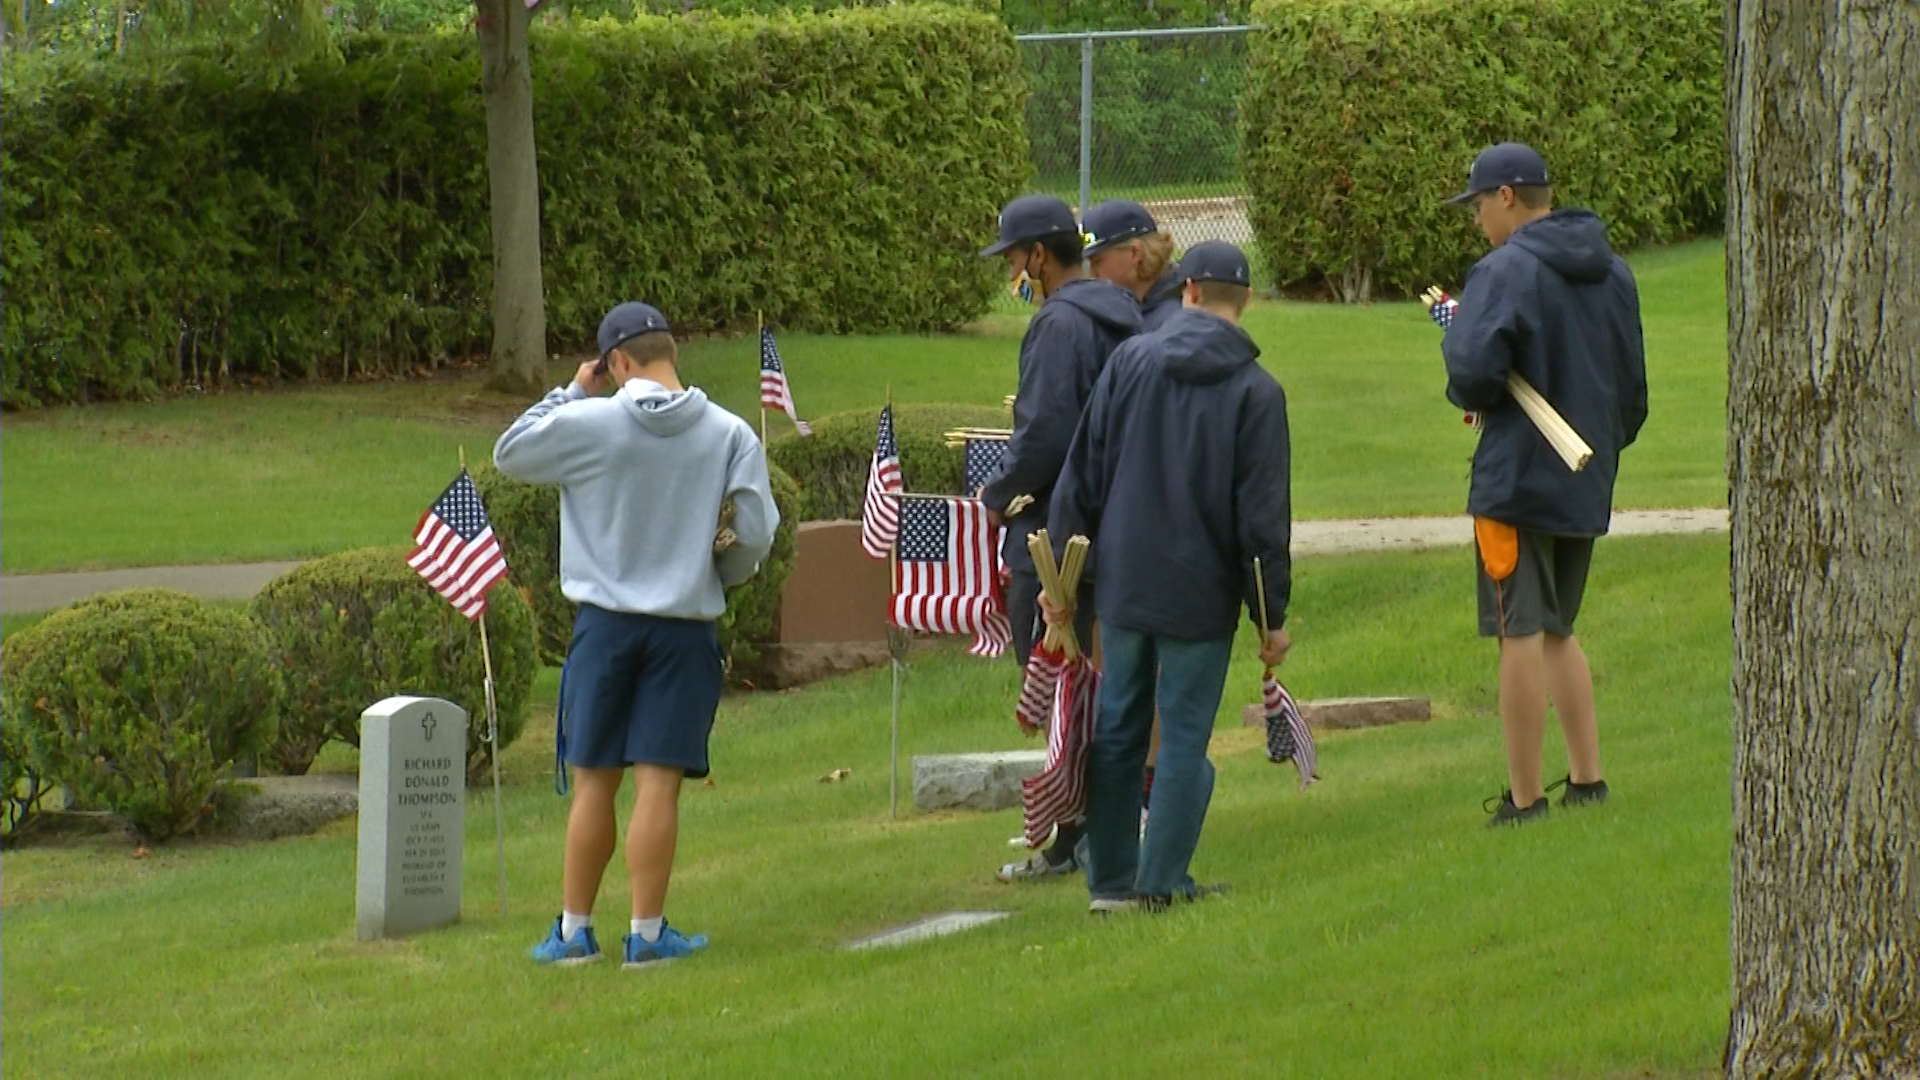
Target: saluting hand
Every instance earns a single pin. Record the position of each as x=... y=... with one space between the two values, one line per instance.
x=590 y=378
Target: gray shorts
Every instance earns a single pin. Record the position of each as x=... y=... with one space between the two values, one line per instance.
x=1529 y=583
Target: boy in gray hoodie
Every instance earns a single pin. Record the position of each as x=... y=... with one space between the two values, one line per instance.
x=642 y=476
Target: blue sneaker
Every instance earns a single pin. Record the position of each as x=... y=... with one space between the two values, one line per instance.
x=582 y=948
x=672 y=946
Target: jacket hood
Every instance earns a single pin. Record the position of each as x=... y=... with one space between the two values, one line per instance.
x=1572 y=242
x=1166 y=290
x=663 y=412
x=1103 y=301
x=1200 y=347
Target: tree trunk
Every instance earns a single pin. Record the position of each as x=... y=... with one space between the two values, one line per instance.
x=519 y=302
x=1823 y=272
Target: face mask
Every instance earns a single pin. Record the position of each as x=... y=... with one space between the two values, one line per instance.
x=1022 y=288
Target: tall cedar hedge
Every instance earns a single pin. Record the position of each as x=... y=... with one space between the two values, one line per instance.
x=1362 y=116
x=174 y=223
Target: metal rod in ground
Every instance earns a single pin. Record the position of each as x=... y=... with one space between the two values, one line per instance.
x=493 y=752
x=893 y=768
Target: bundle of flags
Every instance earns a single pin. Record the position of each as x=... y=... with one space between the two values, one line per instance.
x=1441 y=309
x=1062 y=694
x=949 y=575
x=1061 y=690
x=983 y=459
x=455 y=549
x=775 y=393
x=1289 y=738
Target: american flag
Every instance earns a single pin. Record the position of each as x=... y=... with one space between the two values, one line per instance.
x=880 y=520
x=949 y=576
x=456 y=550
x=774 y=391
x=983 y=460
x=1288 y=736
x=1442 y=312
x=1059 y=793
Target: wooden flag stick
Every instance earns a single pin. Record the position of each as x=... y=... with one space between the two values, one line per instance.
x=759 y=340
x=493 y=746
x=1260 y=587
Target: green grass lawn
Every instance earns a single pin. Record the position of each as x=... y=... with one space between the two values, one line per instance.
x=1376 y=929
x=294 y=473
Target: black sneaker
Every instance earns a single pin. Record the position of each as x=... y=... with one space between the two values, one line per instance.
x=1579 y=794
x=1505 y=813
x=1157 y=904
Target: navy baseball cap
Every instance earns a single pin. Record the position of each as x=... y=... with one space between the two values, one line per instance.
x=1216 y=260
x=1030 y=217
x=1506 y=165
x=629 y=321
x=1116 y=221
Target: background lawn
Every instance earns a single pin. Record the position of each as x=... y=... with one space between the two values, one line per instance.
x=1375 y=930
x=295 y=473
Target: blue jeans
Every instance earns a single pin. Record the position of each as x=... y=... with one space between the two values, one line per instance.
x=1192 y=676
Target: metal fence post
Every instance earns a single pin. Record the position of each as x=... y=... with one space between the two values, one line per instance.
x=1086 y=125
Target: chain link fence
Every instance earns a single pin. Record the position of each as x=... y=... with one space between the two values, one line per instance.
x=1147 y=115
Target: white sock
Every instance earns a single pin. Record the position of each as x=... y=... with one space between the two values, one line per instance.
x=649 y=929
x=571 y=924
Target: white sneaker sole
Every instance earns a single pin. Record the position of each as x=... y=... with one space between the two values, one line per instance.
x=642 y=965
x=577 y=961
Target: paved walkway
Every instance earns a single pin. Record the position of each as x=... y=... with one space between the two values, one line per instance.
x=26 y=593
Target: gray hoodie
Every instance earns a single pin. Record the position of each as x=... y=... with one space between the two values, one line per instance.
x=642 y=475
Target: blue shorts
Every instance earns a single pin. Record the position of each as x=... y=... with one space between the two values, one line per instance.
x=638 y=690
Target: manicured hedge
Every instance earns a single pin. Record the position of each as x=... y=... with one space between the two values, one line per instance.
x=526 y=518
x=178 y=223
x=355 y=628
x=140 y=702
x=835 y=461
x=1362 y=117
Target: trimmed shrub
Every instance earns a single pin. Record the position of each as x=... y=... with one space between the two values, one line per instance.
x=1362 y=117
x=141 y=703
x=836 y=460
x=21 y=785
x=356 y=628
x=336 y=226
x=526 y=518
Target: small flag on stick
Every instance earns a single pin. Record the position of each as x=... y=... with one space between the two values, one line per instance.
x=456 y=550
x=880 y=518
x=1289 y=738
x=775 y=392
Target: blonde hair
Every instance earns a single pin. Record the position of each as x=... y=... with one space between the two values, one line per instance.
x=1156 y=251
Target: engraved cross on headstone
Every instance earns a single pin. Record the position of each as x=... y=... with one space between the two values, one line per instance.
x=427 y=723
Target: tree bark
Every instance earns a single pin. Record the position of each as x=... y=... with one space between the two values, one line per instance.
x=1823 y=274
x=519 y=300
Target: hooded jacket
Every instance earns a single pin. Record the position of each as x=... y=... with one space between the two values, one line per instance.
x=1180 y=476
x=1064 y=351
x=1555 y=304
x=642 y=475
x=1163 y=301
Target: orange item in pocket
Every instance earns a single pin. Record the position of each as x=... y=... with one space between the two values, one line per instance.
x=1499 y=545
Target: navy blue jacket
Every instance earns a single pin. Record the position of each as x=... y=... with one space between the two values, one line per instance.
x=1064 y=351
x=1162 y=302
x=1180 y=476
x=1555 y=304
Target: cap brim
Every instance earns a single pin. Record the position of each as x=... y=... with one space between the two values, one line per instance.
x=997 y=249
x=1462 y=198
x=1112 y=241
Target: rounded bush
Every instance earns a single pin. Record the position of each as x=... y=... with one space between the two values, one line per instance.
x=23 y=784
x=832 y=465
x=526 y=518
x=356 y=628
x=141 y=702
